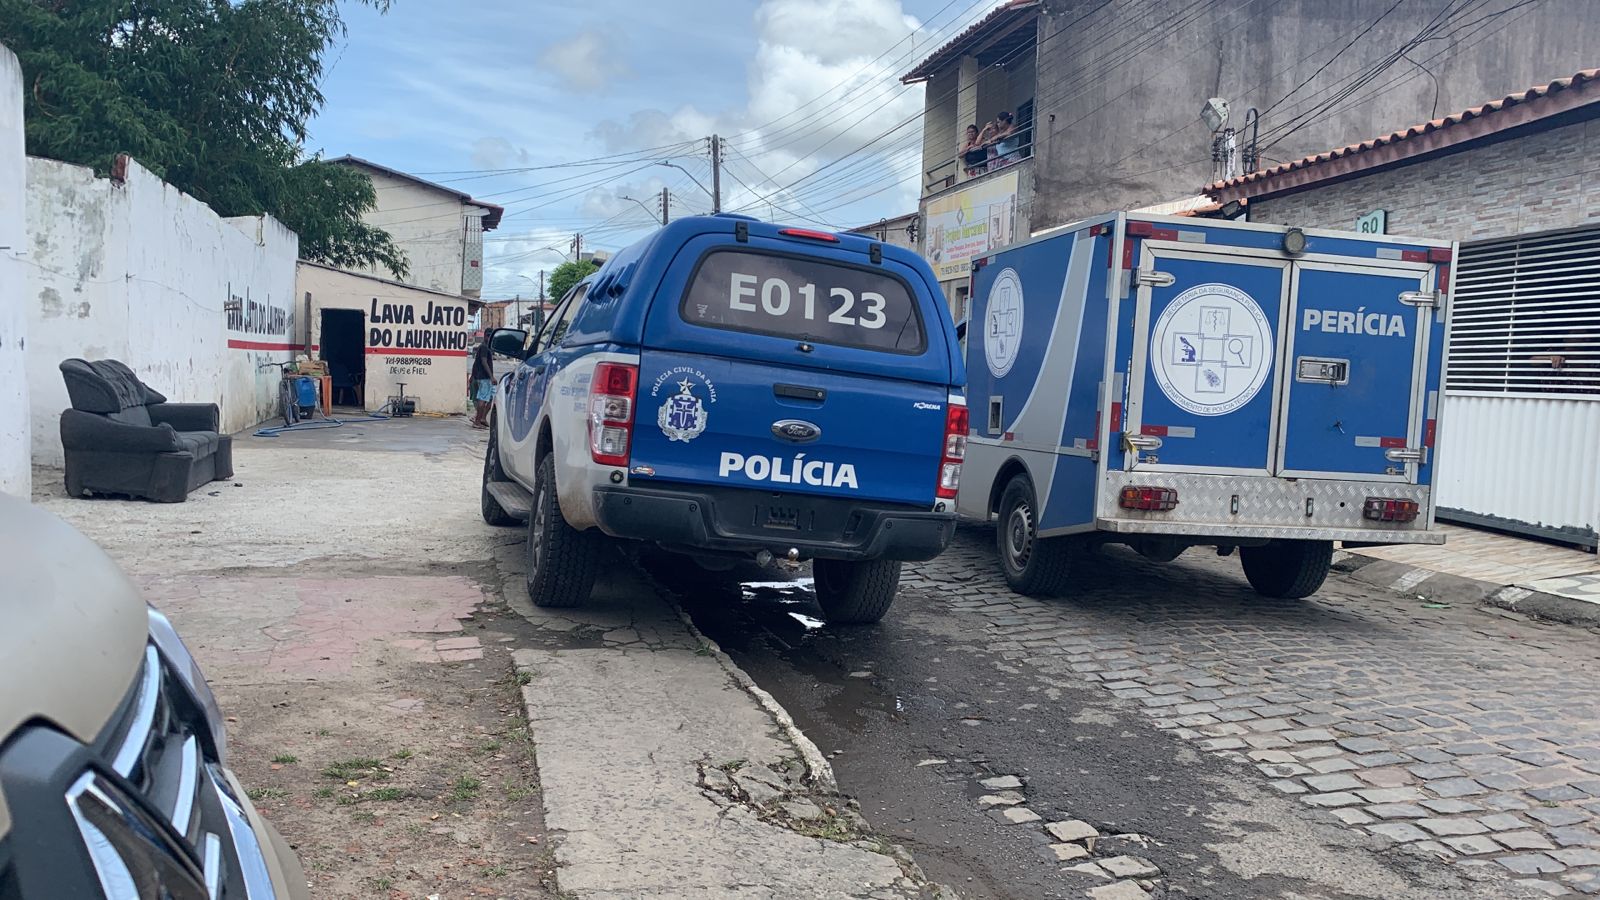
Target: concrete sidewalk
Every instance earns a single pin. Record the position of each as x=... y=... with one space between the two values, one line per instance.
x=668 y=774
x=1547 y=580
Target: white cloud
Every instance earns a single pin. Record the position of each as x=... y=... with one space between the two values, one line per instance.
x=805 y=48
x=498 y=153
x=586 y=62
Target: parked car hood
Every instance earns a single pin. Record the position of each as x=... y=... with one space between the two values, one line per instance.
x=74 y=628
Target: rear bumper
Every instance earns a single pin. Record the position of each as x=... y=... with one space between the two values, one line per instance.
x=1219 y=507
x=742 y=521
x=1222 y=533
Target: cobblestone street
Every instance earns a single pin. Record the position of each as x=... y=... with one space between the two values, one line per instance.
x=1470 y=735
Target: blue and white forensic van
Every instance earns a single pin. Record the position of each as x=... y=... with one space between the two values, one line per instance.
x=729 y=388
x=1167 y=382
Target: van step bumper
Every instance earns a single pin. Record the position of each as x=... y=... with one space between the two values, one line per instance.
x=744 y=521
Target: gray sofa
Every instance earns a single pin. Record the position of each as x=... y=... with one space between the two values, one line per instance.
x=122 y=437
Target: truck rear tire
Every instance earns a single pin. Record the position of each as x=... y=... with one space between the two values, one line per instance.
x=1287 y=570
x=562 y=561
x=493 y=512
x=1035 y=566
x=855 y=593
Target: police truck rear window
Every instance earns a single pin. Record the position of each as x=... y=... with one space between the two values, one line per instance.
x=804 y=299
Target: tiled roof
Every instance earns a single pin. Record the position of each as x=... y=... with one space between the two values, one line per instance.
x=1508 y=112
x=997 y=19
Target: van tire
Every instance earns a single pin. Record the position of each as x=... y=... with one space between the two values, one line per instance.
x=493 y=512
x=855 y=593
x=1287 y=570
x=1035 y=566
x=563 y=562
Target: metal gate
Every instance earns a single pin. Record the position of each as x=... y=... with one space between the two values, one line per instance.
x=1521 y=413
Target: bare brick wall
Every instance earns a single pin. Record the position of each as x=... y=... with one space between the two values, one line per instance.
x=1544 y=182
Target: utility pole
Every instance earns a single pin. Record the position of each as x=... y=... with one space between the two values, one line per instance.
x=577 y=247
x=716 y=174
x=664 y=201
x=516 y=311
x=541 y=287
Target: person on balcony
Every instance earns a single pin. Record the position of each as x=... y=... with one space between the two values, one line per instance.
x=1005 y=141
x=974 y=153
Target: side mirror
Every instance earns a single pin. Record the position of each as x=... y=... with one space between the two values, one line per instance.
x=509 y=342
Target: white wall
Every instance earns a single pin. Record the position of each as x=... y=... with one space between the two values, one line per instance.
x=15 y=473
x=427 y=224
x=136 y=270
x=435 y=375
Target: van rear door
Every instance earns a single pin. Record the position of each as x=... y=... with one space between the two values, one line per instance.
x=793 y=366
x=1356 y=369
x=1201 y=396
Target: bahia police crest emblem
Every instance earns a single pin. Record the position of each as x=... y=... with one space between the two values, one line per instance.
x=683 y=416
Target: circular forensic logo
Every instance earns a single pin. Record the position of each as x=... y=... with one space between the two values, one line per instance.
x=1002 y=323
x=1211 y=349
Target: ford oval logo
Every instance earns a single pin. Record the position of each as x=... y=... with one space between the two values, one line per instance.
x=796 y=430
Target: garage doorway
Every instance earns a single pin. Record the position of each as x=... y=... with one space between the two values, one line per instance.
x=344 y=349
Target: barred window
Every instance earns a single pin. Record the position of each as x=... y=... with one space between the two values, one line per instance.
x=1527 y=316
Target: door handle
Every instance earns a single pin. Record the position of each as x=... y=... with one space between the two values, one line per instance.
x=799 y=392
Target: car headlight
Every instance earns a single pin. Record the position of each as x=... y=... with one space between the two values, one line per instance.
x=134 y=856
x=182 y=663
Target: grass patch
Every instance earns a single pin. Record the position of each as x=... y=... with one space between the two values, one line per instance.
x=259 y=794
x=364 y=815
x=489 y=747
x=402 y=753
x=524 y=677
x=518 y=792
x=353 y=769
x=466 y=788
x=286 y=759
x=732 y=765
x=322 y=793
x=496 y=871
x=376 y=795
x=323 y=732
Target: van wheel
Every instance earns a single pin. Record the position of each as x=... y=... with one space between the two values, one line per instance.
x=493 y=512
x=1287 y=570
x=1032 y=565
x=562 y=561
x=855 y=593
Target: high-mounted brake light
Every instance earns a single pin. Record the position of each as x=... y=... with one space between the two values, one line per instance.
x=1148 y=499
x=1390 y=509
x=611 y=400
x=955 y=450
x=809 y=234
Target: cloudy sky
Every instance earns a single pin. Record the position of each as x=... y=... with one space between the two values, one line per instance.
x=559 y=111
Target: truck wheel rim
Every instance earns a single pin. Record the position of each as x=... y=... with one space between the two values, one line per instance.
x=1019 y=537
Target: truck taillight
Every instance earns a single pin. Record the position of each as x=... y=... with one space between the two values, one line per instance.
x=1389 y=509
x=1149 y=499
x=955 y=450
x=611 y=398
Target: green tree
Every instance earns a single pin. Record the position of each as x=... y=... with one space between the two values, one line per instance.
x=568 y=274
x=211 y=95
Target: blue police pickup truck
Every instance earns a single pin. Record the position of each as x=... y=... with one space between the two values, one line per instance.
x=731 y=389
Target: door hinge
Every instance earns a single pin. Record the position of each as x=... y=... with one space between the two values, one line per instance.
x=1152 y=278
x=1420 y=298
x=1405 y=454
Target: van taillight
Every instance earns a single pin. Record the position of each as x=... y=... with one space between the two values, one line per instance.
x=1390 y=509
x=955 y=450
x=809 y=234
x=611 y=397
x=1148 y=499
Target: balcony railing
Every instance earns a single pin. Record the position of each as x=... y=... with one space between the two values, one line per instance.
x=1008 y=151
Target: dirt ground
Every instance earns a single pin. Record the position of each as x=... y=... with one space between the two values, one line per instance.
x=406 y=778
